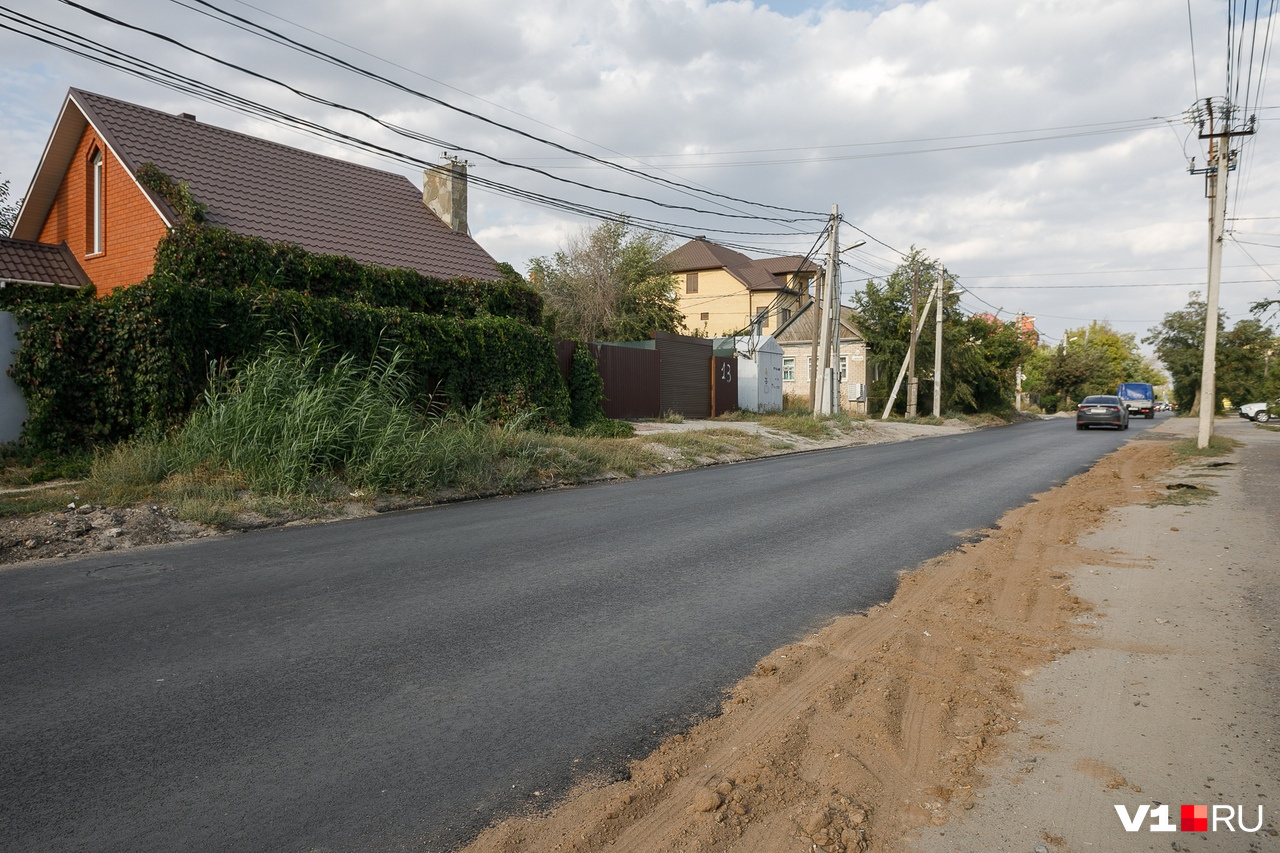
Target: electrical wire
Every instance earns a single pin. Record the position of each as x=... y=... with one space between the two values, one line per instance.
x=280 y=38
x=157 y=74
x=414 y=135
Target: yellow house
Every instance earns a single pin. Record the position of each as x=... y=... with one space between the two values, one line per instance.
x=723 y=292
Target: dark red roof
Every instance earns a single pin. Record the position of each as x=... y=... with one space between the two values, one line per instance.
x=255 y=187
x=25 y=262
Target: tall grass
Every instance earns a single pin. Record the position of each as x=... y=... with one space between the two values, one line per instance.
x=294 y=418
x=303 y=425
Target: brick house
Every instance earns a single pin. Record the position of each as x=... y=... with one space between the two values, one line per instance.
x=86 y=203
x=722 y=292
x=796 y=339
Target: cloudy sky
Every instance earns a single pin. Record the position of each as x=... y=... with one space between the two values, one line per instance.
x=1038 y=148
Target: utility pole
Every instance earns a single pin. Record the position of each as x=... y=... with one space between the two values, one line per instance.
x=939 y=280
x=827 y=398
x=916 y=330
x=1215 y=173
x=913 y=385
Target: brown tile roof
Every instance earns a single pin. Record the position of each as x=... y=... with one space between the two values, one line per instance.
x=787 y=264
x=701 y=254
x=25 y=262
x=255 y=187
x=800 y=328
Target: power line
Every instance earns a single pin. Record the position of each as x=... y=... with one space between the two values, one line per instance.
x=154 y=73
x=327 y=57
x=410 y=134
x=1101 y=286
x=1195 y=77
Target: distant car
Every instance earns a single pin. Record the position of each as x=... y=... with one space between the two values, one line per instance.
x=1102 y=410
x=1259 y=412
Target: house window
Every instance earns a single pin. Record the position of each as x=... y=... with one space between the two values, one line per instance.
x=784 y=314
x=691 y=282
x=844 y=368
x=95 y=202
x=763 y=318
x=706 y=315
x=788 y=370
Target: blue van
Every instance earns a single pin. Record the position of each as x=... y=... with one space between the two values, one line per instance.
x=1139 y=398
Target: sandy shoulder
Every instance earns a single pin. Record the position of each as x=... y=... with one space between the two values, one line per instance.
x=1173 y=697
x=912 y=727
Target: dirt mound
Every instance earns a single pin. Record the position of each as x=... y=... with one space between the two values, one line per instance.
x=88 y=529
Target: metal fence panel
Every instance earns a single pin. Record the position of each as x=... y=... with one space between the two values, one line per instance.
x=686 y=378
x=632 y=381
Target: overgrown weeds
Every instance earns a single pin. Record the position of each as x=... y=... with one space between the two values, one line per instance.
x=1219 y=445
x=300 y=430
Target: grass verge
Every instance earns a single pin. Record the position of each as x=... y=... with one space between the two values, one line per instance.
x=1219 y=445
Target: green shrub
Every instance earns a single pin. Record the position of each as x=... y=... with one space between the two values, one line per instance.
x=586 y=388
x=95 y=372
x=219 y=259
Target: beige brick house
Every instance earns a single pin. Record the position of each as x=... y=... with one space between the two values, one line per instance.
x=723 y=292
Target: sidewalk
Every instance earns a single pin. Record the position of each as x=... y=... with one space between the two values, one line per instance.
x=1173 y=697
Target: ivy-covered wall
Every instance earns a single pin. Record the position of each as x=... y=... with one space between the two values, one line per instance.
x=98 y=371
x=220 y=259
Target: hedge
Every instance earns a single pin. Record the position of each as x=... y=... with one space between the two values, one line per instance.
x=98 y=371
x=220 y=259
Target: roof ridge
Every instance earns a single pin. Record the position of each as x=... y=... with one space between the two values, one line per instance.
x=215 y=128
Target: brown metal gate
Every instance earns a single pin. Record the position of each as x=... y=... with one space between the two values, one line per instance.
x=686 y=380
x=724 y=384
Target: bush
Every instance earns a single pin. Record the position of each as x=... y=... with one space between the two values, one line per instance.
x=98 y=371
x=219 y=259
x=586 y=388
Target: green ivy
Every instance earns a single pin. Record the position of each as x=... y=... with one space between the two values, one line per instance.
x=14 y=295
x=586 y=388
x=178 y=194
x=220 y=259
x=96 y=372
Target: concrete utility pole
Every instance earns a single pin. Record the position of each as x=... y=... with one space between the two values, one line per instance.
x=913 y=384
x=827 y=399
x=893 y=395
x=1216 y=180
x=939 y=280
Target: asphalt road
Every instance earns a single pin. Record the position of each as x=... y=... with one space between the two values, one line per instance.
x=400 y=681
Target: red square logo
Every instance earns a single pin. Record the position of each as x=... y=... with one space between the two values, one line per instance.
x=1195 y=819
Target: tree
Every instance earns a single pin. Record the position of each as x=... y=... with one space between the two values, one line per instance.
x=8 y=210
x=607 y=283
x=1179 y=344
x=1245 y=372
x=980 y=354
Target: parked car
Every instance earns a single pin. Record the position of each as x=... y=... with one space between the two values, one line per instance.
x=1260 y=412
x=1102 y=410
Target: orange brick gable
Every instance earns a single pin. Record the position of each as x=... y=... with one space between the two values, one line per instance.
x=131 y=226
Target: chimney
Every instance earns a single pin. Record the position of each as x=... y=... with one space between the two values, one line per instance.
x=444 y=192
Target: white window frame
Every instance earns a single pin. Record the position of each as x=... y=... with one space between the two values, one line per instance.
x=96 y=237
x=789 y=369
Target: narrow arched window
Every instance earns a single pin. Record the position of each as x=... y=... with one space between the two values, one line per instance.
x=95 y=202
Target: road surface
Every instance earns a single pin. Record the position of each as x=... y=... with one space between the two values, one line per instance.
x=401 y=681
